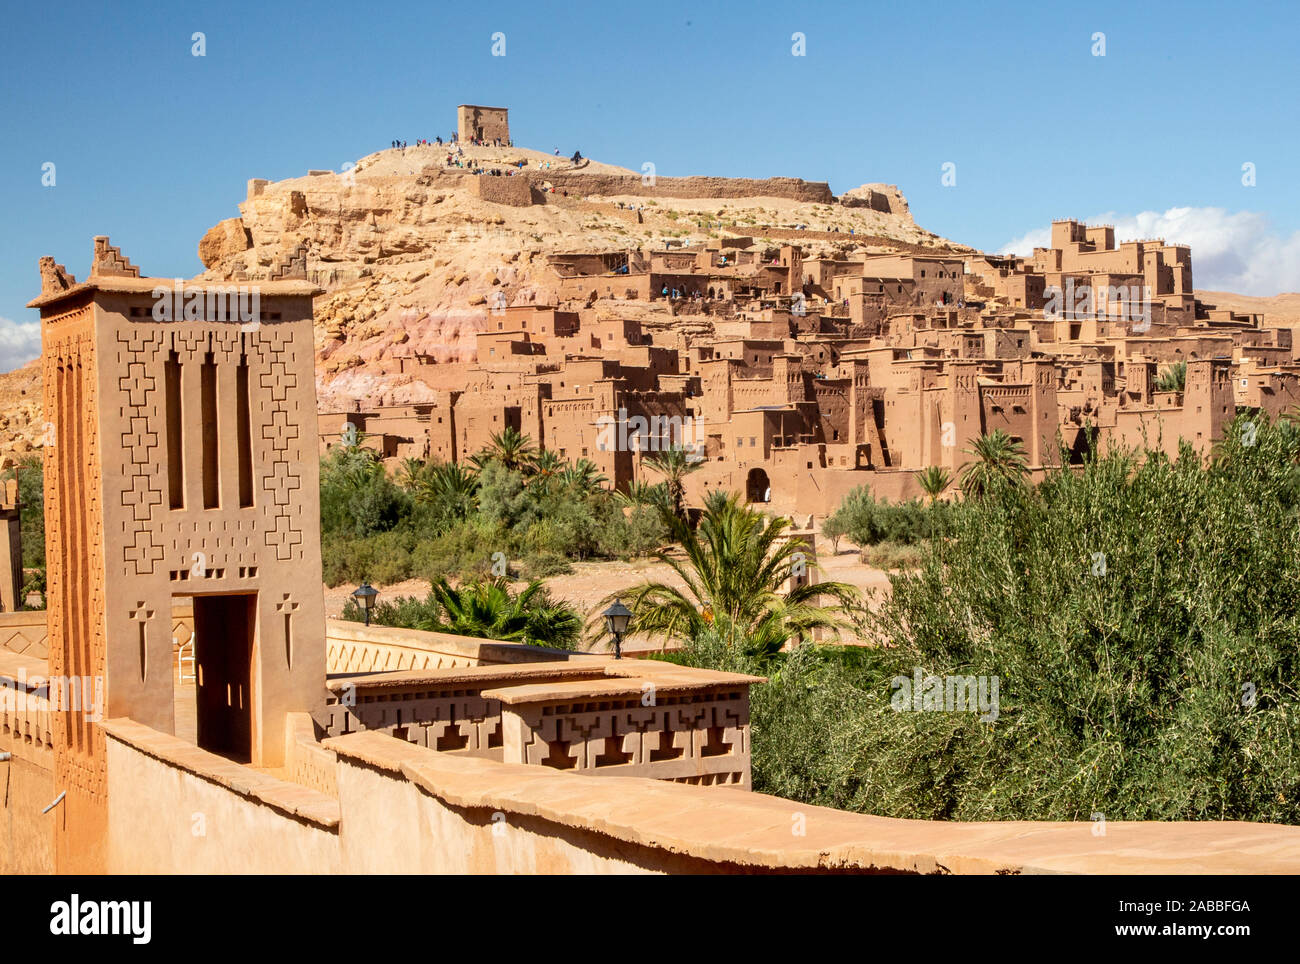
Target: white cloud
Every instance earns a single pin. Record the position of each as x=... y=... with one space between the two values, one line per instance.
x=20 y=342
x=1230 y=252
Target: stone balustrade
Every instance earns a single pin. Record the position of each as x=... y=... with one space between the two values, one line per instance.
x=588 y=713
x=665 y=729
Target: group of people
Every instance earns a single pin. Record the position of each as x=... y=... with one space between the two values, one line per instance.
x=676 y=293
x=420 y=142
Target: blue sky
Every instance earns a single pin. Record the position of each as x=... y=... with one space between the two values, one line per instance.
x=152 y=145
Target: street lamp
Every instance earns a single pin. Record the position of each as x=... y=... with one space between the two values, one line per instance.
x=617 y=617
x=365 y=596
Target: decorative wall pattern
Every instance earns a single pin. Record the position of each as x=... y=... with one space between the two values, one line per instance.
x=142 y=492
x=281 y=430
x=441 y=718
x=698 y=737
x=73 y=538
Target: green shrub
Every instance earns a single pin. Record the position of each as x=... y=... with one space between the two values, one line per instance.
x=383 y=558
x=866 y=521
x=357 y=498
x=464 y=551
x=1139 y=616
x=543 y=565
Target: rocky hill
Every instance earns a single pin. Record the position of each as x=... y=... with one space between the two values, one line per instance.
x=21 y=424
x=409 y=249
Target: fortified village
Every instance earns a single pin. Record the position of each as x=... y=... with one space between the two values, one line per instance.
x=797 y=378
x=181 y=503
x=184 y=706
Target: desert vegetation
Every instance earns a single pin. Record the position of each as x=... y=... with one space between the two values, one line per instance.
x=509 y=510
x=486 y=608
x=1139 y=615
x=745 y=582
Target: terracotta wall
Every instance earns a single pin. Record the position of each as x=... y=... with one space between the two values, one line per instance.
x=24 y=632
x=26 y=834
x=402 y=808
x=176 y=809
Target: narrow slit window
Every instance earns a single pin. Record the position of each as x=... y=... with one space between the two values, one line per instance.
x=244 y=435
x=208 y=403
x=175 y=461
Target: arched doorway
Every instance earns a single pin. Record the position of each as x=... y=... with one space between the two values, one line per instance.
x=758 y=488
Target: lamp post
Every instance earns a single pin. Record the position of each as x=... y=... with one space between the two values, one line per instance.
x=617 y=617
x=365 y=596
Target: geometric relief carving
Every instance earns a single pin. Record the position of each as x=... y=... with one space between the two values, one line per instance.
x=75 y=647
x=138 y=351
x=440 y=718
x=696 y=738
x=280 y=430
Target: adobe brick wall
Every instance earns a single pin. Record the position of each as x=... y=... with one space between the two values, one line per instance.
x=582 y=184
x=515 y=191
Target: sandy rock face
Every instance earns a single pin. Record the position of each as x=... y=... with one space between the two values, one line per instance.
x=22 y=430
x=224 y=240
x=886 y=198
x=413 y=253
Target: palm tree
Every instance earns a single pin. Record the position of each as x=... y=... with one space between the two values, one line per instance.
x=742 y=576
x=511 y=449
x=643 y=493
x=582 y=477
x=488 y=610
x=674 y=465
x=933 y=481
x=547 y=466
x=1174 y=378
x=409 y=473
x=479 y=460
x=999 y=459
x=451 y=488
